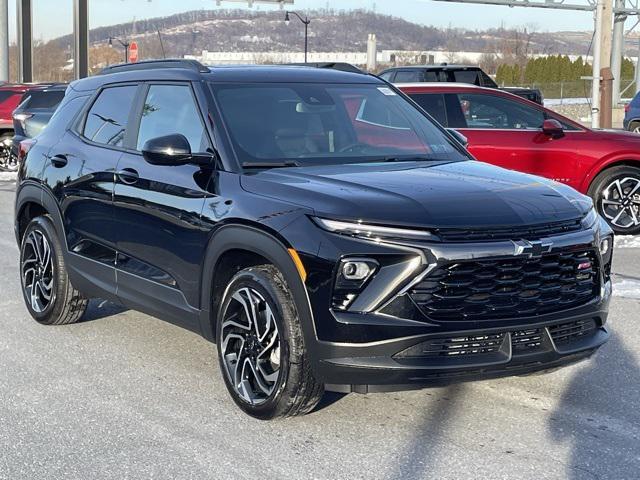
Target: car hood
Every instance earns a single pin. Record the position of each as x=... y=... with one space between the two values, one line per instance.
x=426 y=194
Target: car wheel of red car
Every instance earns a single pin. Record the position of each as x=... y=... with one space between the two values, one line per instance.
x=616 y=194
x=7 y=160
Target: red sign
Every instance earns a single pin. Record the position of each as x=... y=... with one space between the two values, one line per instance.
x=133 y=52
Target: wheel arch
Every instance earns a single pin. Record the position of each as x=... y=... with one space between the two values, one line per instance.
x=32 y=200
x=603 y=167
x=237 y=246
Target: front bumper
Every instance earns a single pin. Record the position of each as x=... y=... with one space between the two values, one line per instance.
x=365 y=348
x=384 y=365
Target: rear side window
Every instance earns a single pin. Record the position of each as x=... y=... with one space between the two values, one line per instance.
x=433 y=104
x=387 y=76
x=407 y=76
x=467 y=76
x=42 y=99
x=170 y=109
x=107 y=118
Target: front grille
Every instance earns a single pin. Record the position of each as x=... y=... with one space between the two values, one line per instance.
x=570 y=332
x=524 y=341
x=508 y=287
x=532 y=232
x=456 y=346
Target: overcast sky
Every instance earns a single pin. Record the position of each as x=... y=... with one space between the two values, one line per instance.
x=53 y=18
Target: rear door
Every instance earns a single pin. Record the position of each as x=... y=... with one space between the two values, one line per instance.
x=80 y=172
x=159 y=237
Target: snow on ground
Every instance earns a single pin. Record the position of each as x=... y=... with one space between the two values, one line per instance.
x=627 y=241
x=627 y=289
x=7 y=176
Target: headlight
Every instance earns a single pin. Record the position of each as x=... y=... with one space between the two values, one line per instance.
x=373 y=232
x=590 y=218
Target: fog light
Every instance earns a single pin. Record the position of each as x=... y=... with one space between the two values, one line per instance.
x=605 y=246
x=356 y=270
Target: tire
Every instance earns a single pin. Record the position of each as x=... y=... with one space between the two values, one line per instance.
x=634 y=127
x=266 y=378
x=8 y=161
x=616 y=195
x=43 y=274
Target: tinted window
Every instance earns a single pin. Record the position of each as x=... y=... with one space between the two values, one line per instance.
x=325 y=123
x=487 y=81
x=170 y=109
x=387 y=76
x=432 y=76
x=106 y=121
x=42 y=99
x=407 y=76
x=494 y=112
x=467 y=76
x=433 y=104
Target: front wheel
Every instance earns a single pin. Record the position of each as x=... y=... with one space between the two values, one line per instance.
x=616 y=195
x=261 y=349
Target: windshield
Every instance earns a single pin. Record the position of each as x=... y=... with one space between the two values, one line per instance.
x=311 y=124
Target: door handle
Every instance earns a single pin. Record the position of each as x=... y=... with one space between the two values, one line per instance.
x=128 y=176
x=59 y=161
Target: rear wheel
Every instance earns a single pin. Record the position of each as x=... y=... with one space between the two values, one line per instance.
x=8 y=161
x=261 y=348
x=48 y=293
x=634 y=127
x=616 y=194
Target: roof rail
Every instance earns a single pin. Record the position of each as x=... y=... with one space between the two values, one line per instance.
x=342 y=66
x=155 y=64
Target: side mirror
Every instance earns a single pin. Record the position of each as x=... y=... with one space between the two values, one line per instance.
x=462 y=140
x=169 y=150
x=172 y=151
x=553 y=128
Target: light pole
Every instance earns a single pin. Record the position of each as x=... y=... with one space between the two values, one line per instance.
x=306 y=22
x=124 y=44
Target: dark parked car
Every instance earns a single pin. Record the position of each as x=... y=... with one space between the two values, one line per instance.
x=314 y=223
x=34 y=112
x=510 y=132
x=632 y=115
x=455 y=74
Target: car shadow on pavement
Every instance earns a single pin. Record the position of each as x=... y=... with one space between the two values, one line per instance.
x=598 y=416
x=418 y=458
x=99 y=309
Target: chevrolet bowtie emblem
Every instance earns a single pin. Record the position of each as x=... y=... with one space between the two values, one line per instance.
x=531 y=249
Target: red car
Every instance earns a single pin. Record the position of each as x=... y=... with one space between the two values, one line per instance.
x=10 y=98
x=514 y=133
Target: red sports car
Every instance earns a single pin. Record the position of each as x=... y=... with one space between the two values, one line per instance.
x=511 y=132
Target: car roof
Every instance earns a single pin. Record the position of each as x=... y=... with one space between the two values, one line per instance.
x=441 y=86
x=230 y=73
x=436 y=67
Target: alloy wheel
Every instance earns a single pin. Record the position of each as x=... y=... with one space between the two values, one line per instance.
x=250 y=346
x=621 y=202
x=8 y=161
x=636 y=129
x=37 y=271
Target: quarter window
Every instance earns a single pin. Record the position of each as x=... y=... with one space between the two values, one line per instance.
x=171 y=109
x=433 y=104
x=106 y=121
x=494 y=112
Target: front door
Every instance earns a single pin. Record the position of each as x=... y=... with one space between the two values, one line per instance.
x=159 y=236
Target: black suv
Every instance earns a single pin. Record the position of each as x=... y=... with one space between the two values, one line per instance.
x=455 y=74
x=318 y=226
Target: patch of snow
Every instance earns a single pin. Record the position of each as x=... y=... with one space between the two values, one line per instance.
x=627 y=241
x=7 y=176
x=627 y=289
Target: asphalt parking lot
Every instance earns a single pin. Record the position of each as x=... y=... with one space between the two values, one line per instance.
x=122 y=395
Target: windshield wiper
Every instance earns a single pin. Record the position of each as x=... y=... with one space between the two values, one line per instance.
x=408 y=159
x=288 y=163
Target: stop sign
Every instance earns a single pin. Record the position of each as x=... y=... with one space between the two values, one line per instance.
x=133 y=52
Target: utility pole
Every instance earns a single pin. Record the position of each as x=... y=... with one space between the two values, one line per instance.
x=597 y=56
x=4 y=40
x=617 y=50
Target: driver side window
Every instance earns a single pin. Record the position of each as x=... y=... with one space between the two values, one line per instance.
x=485 y=111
